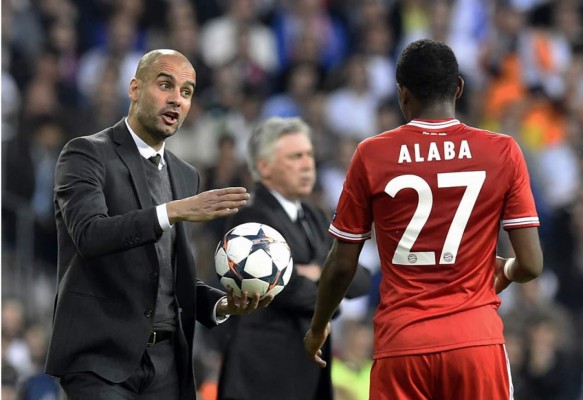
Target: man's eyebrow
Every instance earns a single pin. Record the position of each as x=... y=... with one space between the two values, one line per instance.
x=170 y=77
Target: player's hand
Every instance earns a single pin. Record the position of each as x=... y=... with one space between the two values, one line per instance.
x=500 y=280
x=245 y=304
x=313 y=342
x=208 y=205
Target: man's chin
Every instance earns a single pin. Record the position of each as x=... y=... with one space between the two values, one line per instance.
x=166 y=131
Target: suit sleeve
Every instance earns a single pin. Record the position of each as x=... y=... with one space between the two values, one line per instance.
x=79 y=194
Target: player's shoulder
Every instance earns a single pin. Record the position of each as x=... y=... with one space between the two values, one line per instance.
x=490 y=138
x=374 y=141
x=486 y=133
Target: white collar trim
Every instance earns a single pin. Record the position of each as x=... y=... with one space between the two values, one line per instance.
x=434 y=125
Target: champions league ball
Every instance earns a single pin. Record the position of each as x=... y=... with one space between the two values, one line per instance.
x=253 y=258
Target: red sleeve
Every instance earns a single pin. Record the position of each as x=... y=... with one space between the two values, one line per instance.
x=520 y=210
x=352 y=220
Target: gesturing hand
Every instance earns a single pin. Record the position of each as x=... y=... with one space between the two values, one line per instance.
x=234 y=305
x=208 y=205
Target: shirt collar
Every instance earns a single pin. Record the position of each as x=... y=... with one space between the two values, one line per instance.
x=145 y=150
x=290 y=207
x=434 y=124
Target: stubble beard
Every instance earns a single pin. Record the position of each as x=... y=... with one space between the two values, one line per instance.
x=155 y=128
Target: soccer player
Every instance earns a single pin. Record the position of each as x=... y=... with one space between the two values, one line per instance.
x=437 y=191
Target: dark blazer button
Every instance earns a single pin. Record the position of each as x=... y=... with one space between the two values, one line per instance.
x=154 y=275
x=148 y=313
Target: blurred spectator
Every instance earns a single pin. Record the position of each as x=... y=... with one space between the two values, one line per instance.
x=229 y=171
x=296 y=22
x=504 y=87
x=324 y=140
x=301 y=82
x=550 y=369
x=182 y=34
x=545 y=53
x=38 y=385
x=22 y=38
x=241 y=121
x=332 y=174
x=388 y=116
x=466 y=30
x=376 y=41
x=219 y=37
x=225 y=92
x=105 y=106
x=351 y=109
x=62 y=40
x=31 y=159
x=9 y=382
x=415 y=19
x=353 y=359
x=121 y=47
x=197 y=140
x=15 y=352
x=10 y=105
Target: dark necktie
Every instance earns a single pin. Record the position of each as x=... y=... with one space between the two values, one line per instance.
x=303 y=222
x=155 y=160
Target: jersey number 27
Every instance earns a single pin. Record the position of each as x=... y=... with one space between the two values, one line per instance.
x=472 y=181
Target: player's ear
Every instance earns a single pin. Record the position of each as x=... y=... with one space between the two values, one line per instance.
x=403 y=94
x=460 y=87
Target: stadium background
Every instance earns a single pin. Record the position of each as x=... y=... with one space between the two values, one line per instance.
x=66 y=65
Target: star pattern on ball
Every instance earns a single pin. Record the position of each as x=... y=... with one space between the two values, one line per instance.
x=260 y=241
x=250 y=258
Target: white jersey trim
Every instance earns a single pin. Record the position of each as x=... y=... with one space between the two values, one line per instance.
x=434 y=125
x=520 y=221
x=353 y=237
x=509 y=371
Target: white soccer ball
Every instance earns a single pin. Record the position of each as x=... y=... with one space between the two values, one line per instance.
x=253 y=258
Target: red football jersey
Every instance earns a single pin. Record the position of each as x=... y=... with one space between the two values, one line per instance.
x=436 y=192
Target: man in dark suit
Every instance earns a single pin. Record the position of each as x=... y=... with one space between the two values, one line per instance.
x=128 y=296
x=264 y=357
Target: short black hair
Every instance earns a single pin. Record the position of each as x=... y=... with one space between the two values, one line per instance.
x=429 y=69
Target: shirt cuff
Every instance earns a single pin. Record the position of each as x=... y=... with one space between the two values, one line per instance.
x=163 y=220
x=217 y=319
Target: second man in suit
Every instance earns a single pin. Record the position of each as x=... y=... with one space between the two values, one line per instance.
x=264 y=356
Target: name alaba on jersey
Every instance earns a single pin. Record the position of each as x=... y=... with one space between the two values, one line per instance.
x=436 y=193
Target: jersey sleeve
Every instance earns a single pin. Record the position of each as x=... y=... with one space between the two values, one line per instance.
x=520 y=210
x=352 y=220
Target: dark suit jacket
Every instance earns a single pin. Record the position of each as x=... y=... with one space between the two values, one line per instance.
x=108 y=267
x=264 y=355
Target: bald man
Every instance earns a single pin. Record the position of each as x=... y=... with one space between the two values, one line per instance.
x=128 y=296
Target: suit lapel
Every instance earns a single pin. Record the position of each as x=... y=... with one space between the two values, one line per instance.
x=131 y=157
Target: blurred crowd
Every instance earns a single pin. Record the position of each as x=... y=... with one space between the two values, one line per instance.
x=66 y=66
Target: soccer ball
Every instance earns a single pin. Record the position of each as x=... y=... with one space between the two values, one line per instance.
x=253 y=258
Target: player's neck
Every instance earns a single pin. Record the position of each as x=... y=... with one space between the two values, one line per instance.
x=437 y=111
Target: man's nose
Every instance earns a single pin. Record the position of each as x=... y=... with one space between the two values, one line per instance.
x=175 y=98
